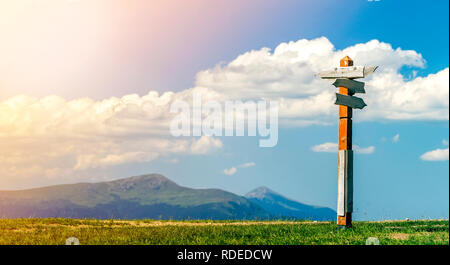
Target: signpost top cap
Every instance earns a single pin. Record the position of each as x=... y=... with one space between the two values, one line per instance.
x=346 y=61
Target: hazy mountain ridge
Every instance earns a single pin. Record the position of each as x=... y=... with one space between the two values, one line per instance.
x=147 y=196
x=281 y=207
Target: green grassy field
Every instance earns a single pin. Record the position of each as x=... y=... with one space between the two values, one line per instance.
x=51 y=231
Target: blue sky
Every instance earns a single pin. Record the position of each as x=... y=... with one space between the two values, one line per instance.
x=391 y=183
x=103 y=51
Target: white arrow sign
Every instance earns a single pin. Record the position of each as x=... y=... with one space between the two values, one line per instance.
x=350 y=101
x=348 y=72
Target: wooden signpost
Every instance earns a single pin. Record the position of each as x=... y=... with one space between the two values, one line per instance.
x=344 y=76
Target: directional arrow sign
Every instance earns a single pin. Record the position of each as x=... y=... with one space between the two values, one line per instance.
x=348 y=72
x=369 y=69
x=349 y=101
x=352 y=85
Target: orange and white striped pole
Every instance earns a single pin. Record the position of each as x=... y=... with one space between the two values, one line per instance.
x=345 y=160
x=345 y=77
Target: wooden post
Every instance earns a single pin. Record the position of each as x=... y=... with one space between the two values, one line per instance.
x=345 y=159
x=344 y=80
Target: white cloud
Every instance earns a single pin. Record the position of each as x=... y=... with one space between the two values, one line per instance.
x=233 y=170
x=396 y=138
x=435 y=155
x=330 y=147
x=205 y=144
x=230 y=171
x=287 y=74
x=326 y=147
x=364 y=150
x=249 y=164
x=54 y=138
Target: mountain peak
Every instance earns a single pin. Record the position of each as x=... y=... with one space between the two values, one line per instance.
x=151 y=196
x=260 y=192
x=281 y=206
x=142 y=182
x=152 y=177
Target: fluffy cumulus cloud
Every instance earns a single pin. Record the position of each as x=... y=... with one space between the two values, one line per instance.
x=330 y=147
x=435 y=155
x=233 y=170
x=205 y=144
x=287 y=75
x=230 y=171
x=52 y=137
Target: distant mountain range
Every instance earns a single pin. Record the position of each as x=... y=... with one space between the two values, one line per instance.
x=281 y=207
x=154 y=197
